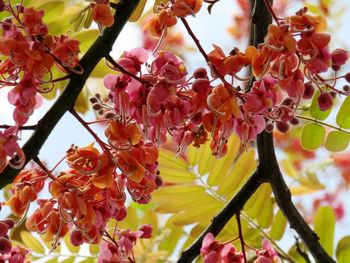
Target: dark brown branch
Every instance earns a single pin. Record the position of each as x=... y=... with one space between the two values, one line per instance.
x=218 y=222
x=21 y=128
x=261 y=18
x=99 y=49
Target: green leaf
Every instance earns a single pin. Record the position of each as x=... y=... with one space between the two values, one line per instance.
x=324 y=225
x=312 y=136
x=315 y=109
x=343 y=250
x=337 y=141
x=53 y=260
x=32 y=243
x=343 y=116
x=278 y=226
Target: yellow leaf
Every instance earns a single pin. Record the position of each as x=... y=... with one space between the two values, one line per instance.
x=186 y=203
x=266 y=216
x=68 y=260
x=222 y=166
x=150 y=217
x=176 y=193
x=204 y=158
x=302 y=189
x=86 y=38
x=94 y=249
x=101 y=70
x=138 y=11
x=168 y=159
x=82 y=102
x=176 y=176
x=32 y=243
x=201 y=214
x=254 y=206
x=197 y=230
x=289 y=169
x=243 y=167
x=71 y=248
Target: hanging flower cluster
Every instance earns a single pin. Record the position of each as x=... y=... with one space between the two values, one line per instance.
x=29 y=53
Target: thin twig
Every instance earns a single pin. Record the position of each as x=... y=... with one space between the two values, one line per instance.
x=93 y=134
x=240 y=234
x=123 y=70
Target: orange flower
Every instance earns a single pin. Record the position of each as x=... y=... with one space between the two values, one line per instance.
x=89 y=161
x=156 y=25
x=223 y=103
x=102 y=15
x=182 y=8
x=122 y=135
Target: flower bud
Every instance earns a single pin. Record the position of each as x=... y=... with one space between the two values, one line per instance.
x=5 y=245
x=325 y=101
x=77 y=237
x=339 y=57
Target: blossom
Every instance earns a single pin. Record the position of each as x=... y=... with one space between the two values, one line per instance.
x=262 y=96
x=267 y=254
x=211 y=249
x=102 y=15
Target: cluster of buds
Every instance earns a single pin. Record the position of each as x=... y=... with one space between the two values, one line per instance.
x=29 y=53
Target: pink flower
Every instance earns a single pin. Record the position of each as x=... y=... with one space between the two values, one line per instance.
x=262 y=96
x=132 y=61
x=211 y=249
x=169 y=68
x=250 y=127
x=146 y=231
x=268 y=254
x=229 y=254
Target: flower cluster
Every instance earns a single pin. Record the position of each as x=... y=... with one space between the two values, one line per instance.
x=213 y=251
x=29 y=53
x=8 y=253
x=121 y=250
x=169 y=13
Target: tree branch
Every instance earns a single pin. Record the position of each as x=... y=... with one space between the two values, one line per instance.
x=99 y=49
x=261 y=18
x=268 y=170
x=218 y=222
